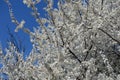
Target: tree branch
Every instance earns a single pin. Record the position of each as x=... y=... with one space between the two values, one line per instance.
x=109 y=35
x=74 y=54
x=88 y=52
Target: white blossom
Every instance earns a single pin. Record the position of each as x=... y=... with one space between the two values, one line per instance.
x=20 y=26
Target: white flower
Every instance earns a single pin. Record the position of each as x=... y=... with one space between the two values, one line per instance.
x=20 y=26
x=24 y=1
x=27 y=2
x=118 y=77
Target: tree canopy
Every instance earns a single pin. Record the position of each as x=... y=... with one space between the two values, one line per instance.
x=76 y=41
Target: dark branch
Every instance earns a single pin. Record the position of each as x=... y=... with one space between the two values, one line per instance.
x=109 y=36
x=88 y=52
x=102 y=4
x=74 y=54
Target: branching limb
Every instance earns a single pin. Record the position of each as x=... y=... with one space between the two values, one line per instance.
x=88 y=52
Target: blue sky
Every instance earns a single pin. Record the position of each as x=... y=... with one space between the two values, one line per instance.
x=21 y=12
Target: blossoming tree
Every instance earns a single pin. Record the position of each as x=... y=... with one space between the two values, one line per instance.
x=76 y=41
